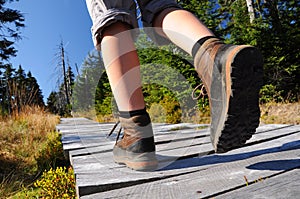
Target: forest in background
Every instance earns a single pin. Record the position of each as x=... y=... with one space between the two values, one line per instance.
x=272 y=26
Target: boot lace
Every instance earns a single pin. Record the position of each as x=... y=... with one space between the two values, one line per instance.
x=113 y=129
x=202 y=92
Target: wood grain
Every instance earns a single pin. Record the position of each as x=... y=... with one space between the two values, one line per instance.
x=188 y=166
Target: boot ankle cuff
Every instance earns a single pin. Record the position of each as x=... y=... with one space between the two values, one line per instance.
x=138 y=126
x=199 y=43
x=129 y=114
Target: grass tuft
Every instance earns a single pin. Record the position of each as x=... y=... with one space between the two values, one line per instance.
x=280 y=113
x=22 y=135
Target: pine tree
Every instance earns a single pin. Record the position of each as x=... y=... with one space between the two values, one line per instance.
x=20 y=91
x=70 y=81
x=52 y=104
x=34 y=94
x=11 y=22
x=8 y=98
x=91 y=85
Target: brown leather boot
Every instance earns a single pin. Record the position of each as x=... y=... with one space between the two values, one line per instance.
x=137 y=148
x=232 y=76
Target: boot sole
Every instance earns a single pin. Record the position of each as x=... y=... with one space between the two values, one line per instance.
x=139 y=162
x=242 y=117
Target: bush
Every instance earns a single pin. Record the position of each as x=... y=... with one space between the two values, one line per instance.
x=104 y=107
x=269 y=93
x=167 y=110
x=58 y=183
x=51 y=155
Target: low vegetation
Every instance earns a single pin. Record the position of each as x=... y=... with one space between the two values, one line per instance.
x=280 y=113
x=29 y=148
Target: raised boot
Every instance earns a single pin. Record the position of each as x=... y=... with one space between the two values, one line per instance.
x=136 y=149
x=232 y=76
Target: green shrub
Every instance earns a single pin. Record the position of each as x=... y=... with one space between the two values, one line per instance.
x=51 y=155
x=58 y=183
x=167 y=110
x=269 y=93
x=157 y=113
x=27 y=193
x=104 y=107
x=173 y=110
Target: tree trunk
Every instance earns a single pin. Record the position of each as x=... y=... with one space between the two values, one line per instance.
x=250 y=10
x=64 y=74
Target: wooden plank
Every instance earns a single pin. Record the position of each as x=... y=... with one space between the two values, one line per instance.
x=106 y=156
x=92 y=158
x=213 y=174
x=190 y=147
x=174 y=144
x=170 y=150
x=102 y=130
x=284 y=185
x=178 y=167
x=85 y=140
x=80 y=142
x=84 y=128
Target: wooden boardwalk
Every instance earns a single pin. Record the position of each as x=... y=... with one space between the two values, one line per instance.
x=266 y=167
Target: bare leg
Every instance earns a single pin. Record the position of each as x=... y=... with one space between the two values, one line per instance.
x=181 y=27
x=121 y=59
x=123 y=70
x=122 y=67
x=233 y=90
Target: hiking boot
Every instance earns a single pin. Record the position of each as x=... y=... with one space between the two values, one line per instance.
x=232 y=76
x=137 y=148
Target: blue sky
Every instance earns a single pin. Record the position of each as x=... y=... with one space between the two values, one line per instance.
x=47 y=23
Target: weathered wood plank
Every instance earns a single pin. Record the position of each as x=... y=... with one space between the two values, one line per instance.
x=81 y=141
x=103 y=129
x=284 y=185
x=91 y=156
x=190 y=147
x=107 y=156
x=215 y=174
x=176 y=168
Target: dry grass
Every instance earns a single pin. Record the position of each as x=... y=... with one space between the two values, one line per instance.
x=279 y=113
x=271 y=113
x=22 y=135
x=91 y=114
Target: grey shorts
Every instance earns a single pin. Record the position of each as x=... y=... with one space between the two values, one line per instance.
x=106 y=12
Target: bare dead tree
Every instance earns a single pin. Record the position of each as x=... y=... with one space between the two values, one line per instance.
x=64 y=72
x=250 y=10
